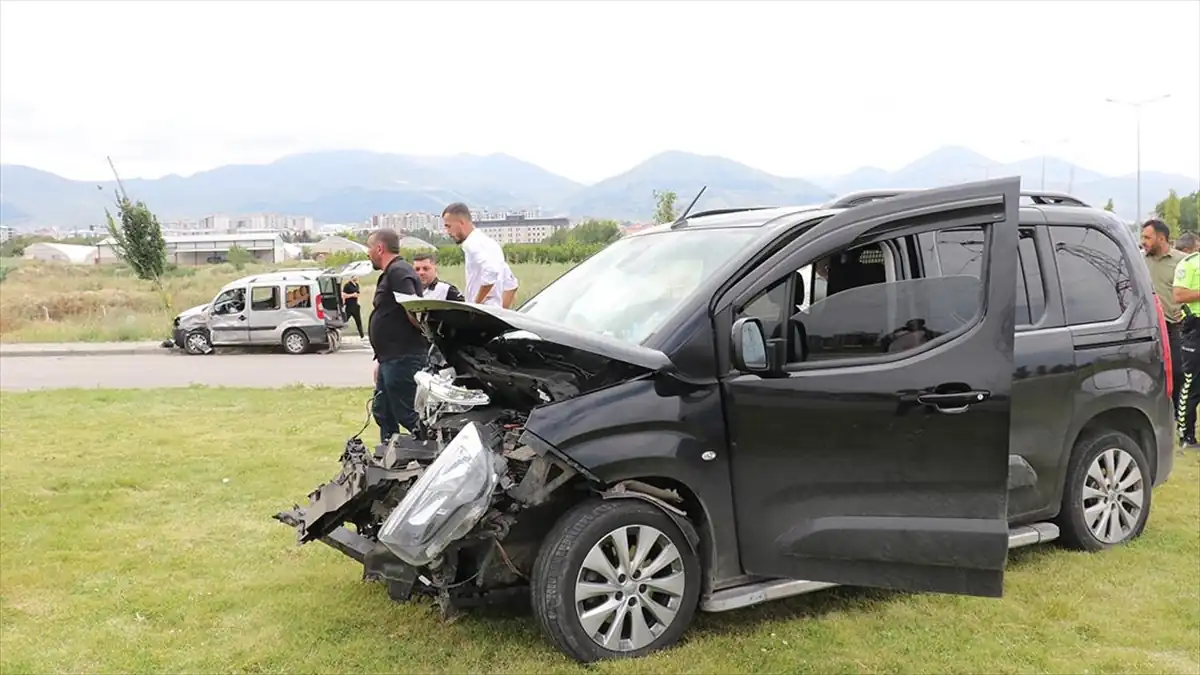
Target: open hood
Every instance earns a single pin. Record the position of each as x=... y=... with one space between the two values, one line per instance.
x=452 y=325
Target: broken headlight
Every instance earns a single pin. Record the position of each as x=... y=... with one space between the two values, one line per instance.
x=437 y=394
x=446 y=502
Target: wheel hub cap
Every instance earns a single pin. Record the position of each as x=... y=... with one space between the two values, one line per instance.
x=630 y=588
x=1112 y=496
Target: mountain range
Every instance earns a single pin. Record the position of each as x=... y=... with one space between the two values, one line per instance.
x=350 y=186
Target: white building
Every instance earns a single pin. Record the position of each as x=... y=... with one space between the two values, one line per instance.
x=517 y=229
x=64 y=253
x=200 y=249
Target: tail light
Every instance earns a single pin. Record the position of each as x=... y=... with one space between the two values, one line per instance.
x=1166 y=347
x=321 y=310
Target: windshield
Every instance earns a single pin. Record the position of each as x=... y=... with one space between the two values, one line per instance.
x=630 y=289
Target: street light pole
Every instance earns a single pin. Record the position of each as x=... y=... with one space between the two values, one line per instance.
x=1137 y=114
x=1043 y=147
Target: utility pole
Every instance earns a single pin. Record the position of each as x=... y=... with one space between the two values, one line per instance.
x=1137 y=113
x=1042 y=148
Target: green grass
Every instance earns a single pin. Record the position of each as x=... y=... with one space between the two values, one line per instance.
x=47 y=302
x=136 y=536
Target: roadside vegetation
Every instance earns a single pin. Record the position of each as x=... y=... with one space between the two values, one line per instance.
x=140 y=539
x=52 y=302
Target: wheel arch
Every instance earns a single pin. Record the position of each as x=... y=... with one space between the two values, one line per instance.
x=1130 y=421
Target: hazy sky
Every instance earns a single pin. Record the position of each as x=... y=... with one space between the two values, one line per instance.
x=589 y=89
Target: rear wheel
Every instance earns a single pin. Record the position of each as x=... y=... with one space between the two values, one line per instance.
x=615 y=579
x=1106 y=500
x=295 y=341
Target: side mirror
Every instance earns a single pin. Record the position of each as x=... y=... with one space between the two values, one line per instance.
x=749 y=346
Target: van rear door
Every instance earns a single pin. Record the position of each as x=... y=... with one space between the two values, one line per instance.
x=331 y=298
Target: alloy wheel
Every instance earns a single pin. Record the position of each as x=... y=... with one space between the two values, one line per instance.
x=294 y=342
x=630 y=588
x=1112 y=496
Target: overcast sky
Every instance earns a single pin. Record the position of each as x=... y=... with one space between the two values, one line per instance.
x=587 y=90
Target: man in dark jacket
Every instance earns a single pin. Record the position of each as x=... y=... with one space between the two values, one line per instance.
x=399 y=346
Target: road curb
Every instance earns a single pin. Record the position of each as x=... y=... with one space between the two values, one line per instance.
x=19 y=350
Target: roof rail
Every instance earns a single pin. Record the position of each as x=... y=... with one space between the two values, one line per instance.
x=682 y=222
x=1044 y=198
x=860 y=197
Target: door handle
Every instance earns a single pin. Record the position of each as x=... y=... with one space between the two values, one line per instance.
x=953 y=403
x=241 y=317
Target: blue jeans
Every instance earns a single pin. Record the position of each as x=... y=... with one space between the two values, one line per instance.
x=395 y=390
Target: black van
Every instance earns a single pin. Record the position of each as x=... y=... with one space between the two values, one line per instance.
x=890 y=390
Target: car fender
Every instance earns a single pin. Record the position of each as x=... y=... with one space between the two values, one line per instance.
x=632 y=489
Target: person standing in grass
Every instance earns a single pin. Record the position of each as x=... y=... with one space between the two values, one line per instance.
x=399 y=345
x=488 y=274
x=350 y=297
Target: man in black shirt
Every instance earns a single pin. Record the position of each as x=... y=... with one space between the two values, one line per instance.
x=350 y=296
x=399 y=346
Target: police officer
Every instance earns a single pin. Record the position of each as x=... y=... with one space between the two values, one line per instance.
x=426 y=266
x=1187 y=294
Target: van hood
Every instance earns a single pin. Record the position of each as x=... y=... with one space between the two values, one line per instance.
x=192 y=311
x=524 y=361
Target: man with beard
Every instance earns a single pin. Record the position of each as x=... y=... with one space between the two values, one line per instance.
x=488 y=274
x=1161 y=261
x=399 y=346
x=431 y=286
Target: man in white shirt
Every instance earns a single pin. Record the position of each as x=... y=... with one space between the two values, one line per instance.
x=488 y=274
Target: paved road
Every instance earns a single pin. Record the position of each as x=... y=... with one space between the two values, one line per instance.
x=350 y=368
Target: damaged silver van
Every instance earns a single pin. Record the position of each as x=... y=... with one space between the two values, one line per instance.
x=296 y=309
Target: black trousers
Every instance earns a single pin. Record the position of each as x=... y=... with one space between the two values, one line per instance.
x=1175 y=341
x=1189 y=395
x=355 y=312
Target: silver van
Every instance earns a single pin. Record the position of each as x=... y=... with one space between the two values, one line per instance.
x=298 y=309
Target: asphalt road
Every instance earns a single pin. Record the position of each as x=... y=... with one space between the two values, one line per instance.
x=351 y=368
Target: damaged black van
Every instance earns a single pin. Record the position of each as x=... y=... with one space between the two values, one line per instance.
x=751 y=404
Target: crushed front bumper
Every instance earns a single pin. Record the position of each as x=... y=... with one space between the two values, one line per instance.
x=367 y=483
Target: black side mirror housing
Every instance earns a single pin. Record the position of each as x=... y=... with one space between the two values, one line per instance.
x=750 y=354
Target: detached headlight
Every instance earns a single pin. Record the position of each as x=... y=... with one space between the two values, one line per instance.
x=446 y=502
x=440 y=388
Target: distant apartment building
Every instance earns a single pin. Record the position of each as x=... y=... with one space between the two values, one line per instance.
x=406 y=221
x=6 y=233
x=519 y=229
x=253 y=223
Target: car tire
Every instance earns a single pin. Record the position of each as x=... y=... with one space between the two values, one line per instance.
x=295 y=341
x=197 y=342
x=1106 y=500
x=651 y=616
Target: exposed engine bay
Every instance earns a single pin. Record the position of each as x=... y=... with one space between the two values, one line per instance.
x=458 y=511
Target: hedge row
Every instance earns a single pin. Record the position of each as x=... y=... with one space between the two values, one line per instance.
x=514 y=253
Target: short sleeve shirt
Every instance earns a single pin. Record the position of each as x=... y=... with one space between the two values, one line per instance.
x=1187 y=275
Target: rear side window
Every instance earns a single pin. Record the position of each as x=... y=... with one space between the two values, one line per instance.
x=298 y=297
x=1031 y=295
x=264 y=298
x=1096 y=283
x=961 y=252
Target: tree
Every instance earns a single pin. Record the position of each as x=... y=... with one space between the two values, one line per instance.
x=664 y=210
x=1169 y=210
x=138 y=239
x=238 y=256
x=602 y=232
x=1189 y=213
x=1109 y=205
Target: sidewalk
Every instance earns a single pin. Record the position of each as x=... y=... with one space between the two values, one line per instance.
x=24 y=349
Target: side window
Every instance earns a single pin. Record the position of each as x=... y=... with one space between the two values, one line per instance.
x=868 y=312
x=298 y=297
x=264 y=298
x=1096 y=283
x=961 y=252
x=1031 y=294
x=230 y=302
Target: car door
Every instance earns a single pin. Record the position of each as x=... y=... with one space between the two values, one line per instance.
x=880 y=458
x=227 y=318
x=266 y=313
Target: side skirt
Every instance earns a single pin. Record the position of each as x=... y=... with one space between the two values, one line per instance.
x=777 y=589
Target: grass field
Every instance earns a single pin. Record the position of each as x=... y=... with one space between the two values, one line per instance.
x=47 y=302
x=136 y=536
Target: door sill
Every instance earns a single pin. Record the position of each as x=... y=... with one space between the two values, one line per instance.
x=757 y=593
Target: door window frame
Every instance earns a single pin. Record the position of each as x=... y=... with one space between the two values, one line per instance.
x=275 y=294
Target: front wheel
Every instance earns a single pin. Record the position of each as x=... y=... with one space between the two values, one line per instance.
x=197 y=342
x=1106 y=500
x=615 y=579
